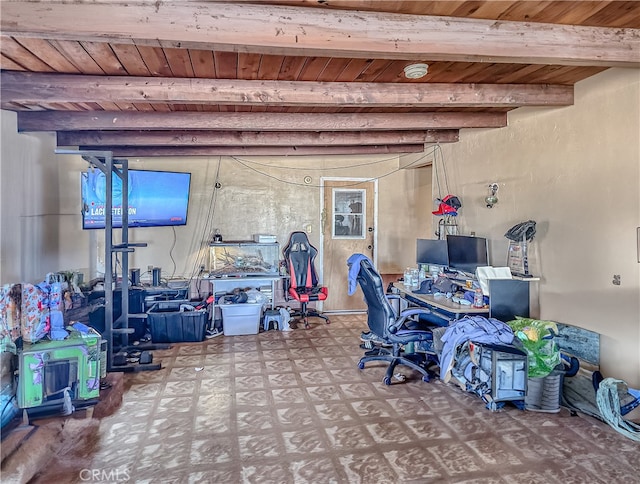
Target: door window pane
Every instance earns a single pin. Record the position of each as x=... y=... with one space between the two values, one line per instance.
x=349 y=213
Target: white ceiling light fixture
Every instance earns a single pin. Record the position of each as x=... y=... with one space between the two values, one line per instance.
x=416 y=71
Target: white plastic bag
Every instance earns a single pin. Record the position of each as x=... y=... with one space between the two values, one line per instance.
x=255 y=296
x=285 y=318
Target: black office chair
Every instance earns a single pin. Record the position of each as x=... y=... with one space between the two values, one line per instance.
x=303 y=286
x=394 y=330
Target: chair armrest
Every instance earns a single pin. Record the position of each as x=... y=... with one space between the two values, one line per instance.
x=391 y=297
x=404 y=315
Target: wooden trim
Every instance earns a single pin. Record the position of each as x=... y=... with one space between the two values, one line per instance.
x=155 y=151
x=110 y=121
x=253 y=138
x=36 y=88
x=284 y=30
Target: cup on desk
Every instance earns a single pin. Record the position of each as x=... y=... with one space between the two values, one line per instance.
x=415 y=281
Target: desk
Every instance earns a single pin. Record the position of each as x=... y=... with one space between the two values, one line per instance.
x=508 y=298
x=442 y=307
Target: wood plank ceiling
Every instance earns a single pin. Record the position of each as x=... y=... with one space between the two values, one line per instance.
x=143 y=78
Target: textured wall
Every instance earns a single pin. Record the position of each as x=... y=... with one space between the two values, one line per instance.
x=269 y=195
x=257 y=195
x=29 y=207
x=576 y=172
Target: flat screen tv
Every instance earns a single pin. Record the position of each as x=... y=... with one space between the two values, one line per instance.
x=156 y=198
x=467 y=253
x=432 y=252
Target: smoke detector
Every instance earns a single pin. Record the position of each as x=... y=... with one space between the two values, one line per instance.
x=416 y=71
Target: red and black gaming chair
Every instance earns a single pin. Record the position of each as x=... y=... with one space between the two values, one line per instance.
x=299 y=255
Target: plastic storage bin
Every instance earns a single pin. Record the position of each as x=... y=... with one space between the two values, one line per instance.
x=169 y=325
x=136 y=306
x=241 y=318
x=545 y=394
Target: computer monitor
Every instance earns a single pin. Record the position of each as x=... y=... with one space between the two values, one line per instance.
x=467 y=253
x=432 y=252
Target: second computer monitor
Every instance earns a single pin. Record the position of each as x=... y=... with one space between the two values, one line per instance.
x=467 y=253
x=432 y=252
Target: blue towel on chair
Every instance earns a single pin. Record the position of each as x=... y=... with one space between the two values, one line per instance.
x=354 y=268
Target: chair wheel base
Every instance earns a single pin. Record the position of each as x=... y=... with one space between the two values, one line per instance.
x=298 y=318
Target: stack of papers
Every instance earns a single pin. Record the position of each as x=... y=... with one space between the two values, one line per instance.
x=483 y=274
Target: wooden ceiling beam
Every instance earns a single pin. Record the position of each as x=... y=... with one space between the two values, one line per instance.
x=113 y=121
x=299 y=31
x=155 y=151
x=253 y=138
x=34 y=88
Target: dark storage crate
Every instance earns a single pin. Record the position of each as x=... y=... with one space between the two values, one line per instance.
x=169 y=325
x=136 y=306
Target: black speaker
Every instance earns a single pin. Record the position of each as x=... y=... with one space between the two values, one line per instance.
x=156 y=275
x=134 y=275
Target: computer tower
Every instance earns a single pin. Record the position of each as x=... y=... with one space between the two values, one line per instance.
x=509 y=298
x=508 y=367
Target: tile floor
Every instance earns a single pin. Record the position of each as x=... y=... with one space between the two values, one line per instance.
x=292 y=407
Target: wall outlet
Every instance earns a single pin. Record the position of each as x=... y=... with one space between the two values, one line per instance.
x=309 y=228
